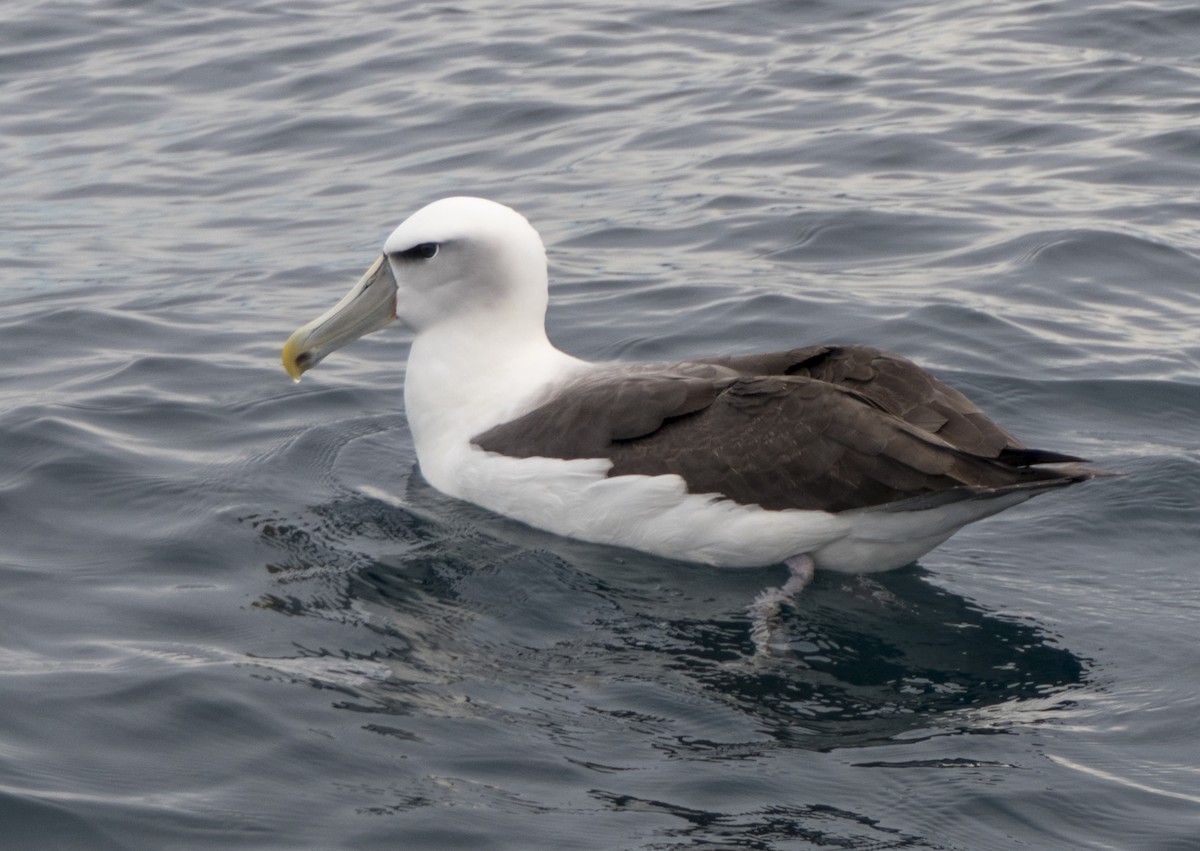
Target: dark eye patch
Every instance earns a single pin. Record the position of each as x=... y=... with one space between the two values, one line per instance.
x=422 y=251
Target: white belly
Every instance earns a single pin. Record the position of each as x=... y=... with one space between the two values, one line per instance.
x=656 y=514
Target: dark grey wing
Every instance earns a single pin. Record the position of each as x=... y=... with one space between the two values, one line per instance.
x=796 y=442
x=899 y=387
x=775 y=441
x=587 y=418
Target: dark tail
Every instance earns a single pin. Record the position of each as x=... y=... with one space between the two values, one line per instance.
x=1029 y=457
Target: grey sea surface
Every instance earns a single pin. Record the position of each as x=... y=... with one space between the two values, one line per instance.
x=233 y=615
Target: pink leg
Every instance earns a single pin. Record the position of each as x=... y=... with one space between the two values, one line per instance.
x=800 y=573
x=767 y=604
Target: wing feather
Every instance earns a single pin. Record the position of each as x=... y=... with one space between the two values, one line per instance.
x=826 y=427
x=895 y=383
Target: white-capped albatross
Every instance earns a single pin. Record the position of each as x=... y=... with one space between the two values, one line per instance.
x=844 y=458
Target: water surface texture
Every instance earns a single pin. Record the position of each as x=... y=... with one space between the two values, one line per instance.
x=233 y=616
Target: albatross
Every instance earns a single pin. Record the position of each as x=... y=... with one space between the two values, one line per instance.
x=834 y=457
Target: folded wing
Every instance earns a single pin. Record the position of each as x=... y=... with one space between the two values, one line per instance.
x=827 y=428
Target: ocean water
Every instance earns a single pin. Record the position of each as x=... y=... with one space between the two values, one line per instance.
x=232 y=614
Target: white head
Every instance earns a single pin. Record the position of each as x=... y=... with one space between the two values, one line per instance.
x=467 y=256
x=460 y=261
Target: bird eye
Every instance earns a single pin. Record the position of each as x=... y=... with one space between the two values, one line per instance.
x=424 y=251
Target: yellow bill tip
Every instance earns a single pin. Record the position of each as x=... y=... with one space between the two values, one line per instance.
x=291 y=357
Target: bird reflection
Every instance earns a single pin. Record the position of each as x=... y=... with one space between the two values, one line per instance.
x=457 y=601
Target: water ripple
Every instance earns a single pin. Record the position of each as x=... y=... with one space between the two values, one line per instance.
x=273 y=634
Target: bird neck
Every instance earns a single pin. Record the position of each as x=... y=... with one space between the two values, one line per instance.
x=464 y=378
